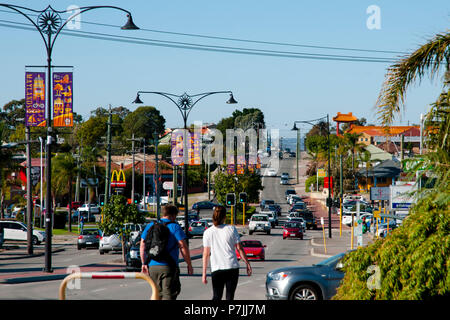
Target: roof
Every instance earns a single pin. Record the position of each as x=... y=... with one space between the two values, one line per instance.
x=393 y=130
x=386 y=169
x=377 y=154
x=35 y=162
x=344 y=117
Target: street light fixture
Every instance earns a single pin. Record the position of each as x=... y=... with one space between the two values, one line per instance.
x=185 y=103
x=49 y=25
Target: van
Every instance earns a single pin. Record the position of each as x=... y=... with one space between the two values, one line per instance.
x=17 y=231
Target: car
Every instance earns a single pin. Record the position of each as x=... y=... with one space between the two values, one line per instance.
x=347 y=217
x=89 y=238
x=2 y=234
x=284 y=175
x=180 y=220
x=382 y=228
x=265 y=202
x=294 y=198
x=271 y=172
x=299 y=220
x=275 y=208
x=309 y=218
x=288 y=192
x=317 y=282
x=293 y=230
x=134 y=229
x=259 y=222
x=193 y=216
x=254 y=250
x=298 y=206
x=18 y=231
x=292 y=154
x=284 y=181
x=75 y=205
x=92 y=208
x=109 y=243
x=76 y=216
x=204 y=205
x=273 y=217
x=197 y=228
x=133 y=257
x=209 y=221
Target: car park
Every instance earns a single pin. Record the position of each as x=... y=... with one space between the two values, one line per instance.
x=293 y=230
x=110 y=243
x=89 y=238
x=259 y=223
x=254 y=250
x=316 y=282
x=197 y=228
x=18 y=231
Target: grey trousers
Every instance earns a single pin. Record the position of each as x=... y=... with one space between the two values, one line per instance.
x=167 y=280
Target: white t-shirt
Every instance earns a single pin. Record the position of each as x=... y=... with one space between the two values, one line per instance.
x=222 y=240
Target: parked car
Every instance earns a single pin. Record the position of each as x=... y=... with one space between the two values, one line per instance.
x=284 y=181
x=382 y=228
x=94 y=209
x=75 y=205
x=259 y=222
x=18 y=231
x=288 y=192
x=133 y=257
x=285 y=175
x=204 y=205
x=265 y=203
x=316 y=282
x=254 y=249
x=293 y=230
x=110 y=243
x=197 y=228
x=89 y=238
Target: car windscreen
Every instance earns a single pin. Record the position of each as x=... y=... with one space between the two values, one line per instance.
x=330 y=261
x=251 y=244
x=259 y=218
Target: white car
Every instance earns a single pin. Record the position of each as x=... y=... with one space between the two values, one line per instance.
x=85 y=208
x=180 y=221
x=347 y=217
x=259 y=222
x=110 y=243
x=17 y=231
x=271 y=172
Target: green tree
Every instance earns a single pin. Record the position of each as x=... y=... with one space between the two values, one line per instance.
x=248 y=182
x=143 y=122
x=115 y=214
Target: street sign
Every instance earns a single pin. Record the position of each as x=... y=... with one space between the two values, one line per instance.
x=321 y=173
x=380 y=193
x=168 y=185
x=400 y=198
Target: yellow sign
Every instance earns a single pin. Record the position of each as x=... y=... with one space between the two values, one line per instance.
x=118 y=183
x=321 y=173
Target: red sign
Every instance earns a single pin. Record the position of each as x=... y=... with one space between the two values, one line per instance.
x=326 y=184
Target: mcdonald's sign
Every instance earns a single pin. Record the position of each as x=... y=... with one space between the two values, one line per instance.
x=118 y=183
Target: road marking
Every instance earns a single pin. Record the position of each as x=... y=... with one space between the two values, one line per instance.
x=98 y=290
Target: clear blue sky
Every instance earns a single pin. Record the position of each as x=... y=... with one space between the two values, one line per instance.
x=286 y=89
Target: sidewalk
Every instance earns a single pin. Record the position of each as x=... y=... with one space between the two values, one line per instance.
x=337 y=244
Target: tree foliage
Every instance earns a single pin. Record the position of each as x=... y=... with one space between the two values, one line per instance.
x=248 y=182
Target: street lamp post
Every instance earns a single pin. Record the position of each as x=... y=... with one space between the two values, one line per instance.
x=185 y=103
x=329 y=201
x=49 y=25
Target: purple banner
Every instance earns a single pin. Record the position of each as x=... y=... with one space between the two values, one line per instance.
x=35 y=99
x=62 y=99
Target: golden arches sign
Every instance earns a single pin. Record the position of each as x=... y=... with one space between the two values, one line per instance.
x=117 y=183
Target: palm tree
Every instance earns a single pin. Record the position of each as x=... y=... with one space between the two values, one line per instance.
x=65 y=167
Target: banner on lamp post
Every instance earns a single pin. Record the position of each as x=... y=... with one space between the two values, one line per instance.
x=62 y=99
x=35 y=99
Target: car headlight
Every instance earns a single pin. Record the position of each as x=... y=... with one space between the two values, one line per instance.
x=133 y=254
x=277 y=276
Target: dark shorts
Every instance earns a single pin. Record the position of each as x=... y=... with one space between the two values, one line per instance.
x=167 y=280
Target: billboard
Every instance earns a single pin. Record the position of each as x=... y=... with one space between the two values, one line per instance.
x=400 y=198
x=62 y=99
x=35 y=99
x=380 y=193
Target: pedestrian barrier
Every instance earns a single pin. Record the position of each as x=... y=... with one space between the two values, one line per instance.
x=108 y=275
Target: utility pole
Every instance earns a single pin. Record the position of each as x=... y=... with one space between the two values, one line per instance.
x=133 y=152
x=158 y=198
x=29 y=194
x=175 y=185
x=108 y=157
x=77 y=186
x=143 y=178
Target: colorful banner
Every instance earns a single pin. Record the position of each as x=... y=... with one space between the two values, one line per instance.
x=62 y=99
x=35 y=99
x=194 y=146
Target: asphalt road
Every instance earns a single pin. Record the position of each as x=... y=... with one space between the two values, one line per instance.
x=279 y=253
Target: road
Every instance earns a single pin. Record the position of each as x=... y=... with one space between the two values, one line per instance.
x=279 y=253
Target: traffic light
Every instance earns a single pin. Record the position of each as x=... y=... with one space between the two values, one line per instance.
x=231 y=199
x=243 y=197
x=101 y=199
x=137 y=198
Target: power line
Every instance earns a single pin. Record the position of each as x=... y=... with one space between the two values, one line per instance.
x=242 y=40
x=193 y=46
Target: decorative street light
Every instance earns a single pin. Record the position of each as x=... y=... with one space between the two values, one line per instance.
x=185 y=103
x=311 y=122
x=49 y=25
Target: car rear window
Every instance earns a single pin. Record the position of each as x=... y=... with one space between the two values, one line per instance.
x=88 y=232
x=197 y=224
x=251 y=244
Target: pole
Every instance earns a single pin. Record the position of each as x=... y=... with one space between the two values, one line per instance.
x=232 y=215
x=341 y=187
x=48 y=167
x=330 y=187
x=243 y=213
x=298 y=153
x=158 y=204
x=41 y=186
x=132 y=173
x=175 y=185
x=143 y=180
x=209 y=178
x=185 y=182
x=421 y=132
x=340 y=217
x=29 y=195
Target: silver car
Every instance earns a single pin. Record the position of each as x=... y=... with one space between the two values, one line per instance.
x=197 y=228
x=89 y=238
x=316 y=282
x=110 y=243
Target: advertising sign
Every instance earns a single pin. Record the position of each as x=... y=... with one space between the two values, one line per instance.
x=194 y=148
x=321 y=173
x=380 y=193
x=400 y=198
x=62 y=99
x=35 y=99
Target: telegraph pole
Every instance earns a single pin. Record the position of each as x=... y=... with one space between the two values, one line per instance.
x=108 y=157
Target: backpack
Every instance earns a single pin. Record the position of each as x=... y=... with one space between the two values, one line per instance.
x=156 y=242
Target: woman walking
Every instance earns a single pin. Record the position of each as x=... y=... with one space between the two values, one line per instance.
x=219 y=243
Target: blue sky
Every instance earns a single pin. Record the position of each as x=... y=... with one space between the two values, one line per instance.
x=286 y=89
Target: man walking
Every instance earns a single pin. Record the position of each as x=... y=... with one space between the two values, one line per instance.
x=165 y=272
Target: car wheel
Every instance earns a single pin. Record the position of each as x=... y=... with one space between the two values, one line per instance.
x=102 y=252
x=304 y=292
x=35 y=240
